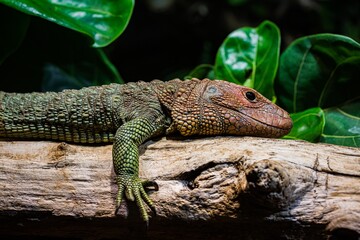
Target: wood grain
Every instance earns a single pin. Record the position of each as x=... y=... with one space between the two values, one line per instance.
x=213 y=181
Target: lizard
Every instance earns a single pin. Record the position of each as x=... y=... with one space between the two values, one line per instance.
x=129 y=114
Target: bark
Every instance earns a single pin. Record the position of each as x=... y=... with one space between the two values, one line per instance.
x=209 y=188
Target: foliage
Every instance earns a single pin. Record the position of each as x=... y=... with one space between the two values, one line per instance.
x=320 y=66
x=308 y=125
x=321 y=72
x=342 y=124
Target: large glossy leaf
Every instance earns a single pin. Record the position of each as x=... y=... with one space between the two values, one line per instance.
x=102 y=20
x=249 y=56
x=342 y=125
x=318 y=71
x=307 y=125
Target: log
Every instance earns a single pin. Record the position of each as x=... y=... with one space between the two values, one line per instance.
x=209 y=188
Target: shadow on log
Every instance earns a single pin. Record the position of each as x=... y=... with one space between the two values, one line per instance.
x=210 y=188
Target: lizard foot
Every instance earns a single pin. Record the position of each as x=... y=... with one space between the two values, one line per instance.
x=133 y=188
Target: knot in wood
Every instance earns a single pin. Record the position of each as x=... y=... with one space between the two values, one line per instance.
x=267 y=183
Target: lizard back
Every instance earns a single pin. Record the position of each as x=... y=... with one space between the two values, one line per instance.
x=88 y=115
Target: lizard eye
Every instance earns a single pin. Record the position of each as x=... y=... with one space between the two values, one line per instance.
x=250 y=96
x=212 y=89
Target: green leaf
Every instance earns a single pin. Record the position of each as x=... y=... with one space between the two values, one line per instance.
x=342 y=125
x=13 y=26
x=307 y=125
x=341 y=85
x=318 y=71
x=249 y=56
x=202 y=71
x=102 y=20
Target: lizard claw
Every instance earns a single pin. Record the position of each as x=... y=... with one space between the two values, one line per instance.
x=133 y=188
x=150 y=185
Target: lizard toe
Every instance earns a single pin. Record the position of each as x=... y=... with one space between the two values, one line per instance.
x=133 y=189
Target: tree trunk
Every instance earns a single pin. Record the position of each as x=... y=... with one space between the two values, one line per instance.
x=209 y=188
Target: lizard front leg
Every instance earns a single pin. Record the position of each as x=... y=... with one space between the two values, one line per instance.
x=126 y=161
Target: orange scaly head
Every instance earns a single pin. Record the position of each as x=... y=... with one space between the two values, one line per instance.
x=216 y=107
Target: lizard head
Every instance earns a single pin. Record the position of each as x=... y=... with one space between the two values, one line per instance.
x=216 y=107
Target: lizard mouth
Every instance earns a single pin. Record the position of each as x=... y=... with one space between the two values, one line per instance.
x=285 y=127
x=280 y=124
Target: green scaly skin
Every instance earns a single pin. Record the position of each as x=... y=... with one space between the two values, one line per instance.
x=128 y=138
x=129 y=114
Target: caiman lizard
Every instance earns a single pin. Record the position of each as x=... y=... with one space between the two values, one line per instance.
x=127 y=115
